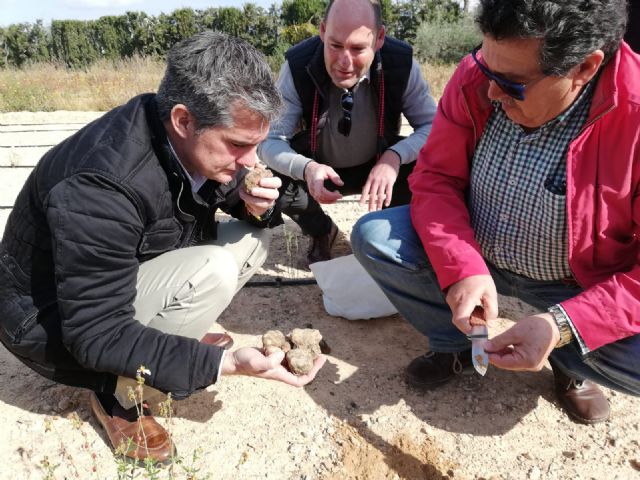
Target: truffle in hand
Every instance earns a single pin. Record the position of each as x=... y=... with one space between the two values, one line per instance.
x=301 y=347
x=252 y=179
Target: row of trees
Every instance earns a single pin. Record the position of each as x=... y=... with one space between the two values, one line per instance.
x=77 y=44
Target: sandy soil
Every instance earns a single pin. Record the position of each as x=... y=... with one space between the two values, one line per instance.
x=357 y=420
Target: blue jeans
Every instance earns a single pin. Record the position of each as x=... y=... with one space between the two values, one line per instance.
x=388 y=247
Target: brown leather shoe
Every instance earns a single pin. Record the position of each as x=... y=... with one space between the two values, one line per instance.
x=148 y=438
x=320 y=247
x=582 y=399
x=223 y=340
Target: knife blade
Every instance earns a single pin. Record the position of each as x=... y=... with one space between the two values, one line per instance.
x=479 y=333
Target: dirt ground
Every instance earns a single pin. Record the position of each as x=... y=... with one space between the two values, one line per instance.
x=357 y=420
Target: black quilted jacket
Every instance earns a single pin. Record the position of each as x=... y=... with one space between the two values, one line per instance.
x=92 y=210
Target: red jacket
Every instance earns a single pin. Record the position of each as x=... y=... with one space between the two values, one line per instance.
x=603 y=196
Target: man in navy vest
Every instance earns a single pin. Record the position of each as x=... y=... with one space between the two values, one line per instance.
x=345 y=91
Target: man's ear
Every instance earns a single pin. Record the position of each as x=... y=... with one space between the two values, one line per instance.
x=182 y=121
x=380 y=38
x=323 y=29
x=583 y=73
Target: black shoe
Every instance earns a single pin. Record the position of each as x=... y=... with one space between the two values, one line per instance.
x=320 y=247
x=581 y=399
x=434 y=369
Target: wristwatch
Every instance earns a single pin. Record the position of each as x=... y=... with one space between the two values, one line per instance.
x=265 y=215
x=566 y=334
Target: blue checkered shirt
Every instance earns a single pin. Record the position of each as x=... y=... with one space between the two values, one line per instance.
x=518 y=192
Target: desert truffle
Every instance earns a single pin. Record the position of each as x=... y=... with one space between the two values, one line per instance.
x=301 y=347
x=274 y=340
x=306 y=338
x=300 y=360
x=252 y=179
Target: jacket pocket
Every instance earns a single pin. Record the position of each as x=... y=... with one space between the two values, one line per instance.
x=18 y=316
x=161 y=236
x=10 y=270
x=25 y=327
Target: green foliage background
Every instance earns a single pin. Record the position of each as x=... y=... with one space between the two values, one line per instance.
x=439 y=29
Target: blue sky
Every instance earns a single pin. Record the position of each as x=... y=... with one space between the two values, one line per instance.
x=16 y=11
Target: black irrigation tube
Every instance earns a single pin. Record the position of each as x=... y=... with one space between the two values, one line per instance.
x=281 y=282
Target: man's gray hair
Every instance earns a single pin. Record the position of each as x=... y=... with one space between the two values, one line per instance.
x=212 y=74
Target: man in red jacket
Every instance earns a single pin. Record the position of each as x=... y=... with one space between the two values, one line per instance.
x=528 y=186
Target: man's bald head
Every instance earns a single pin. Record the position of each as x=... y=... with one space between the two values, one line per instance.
x=356 y=8
x=351 y=33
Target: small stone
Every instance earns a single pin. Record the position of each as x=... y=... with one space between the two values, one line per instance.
x=534 y=473
x=635 y=463
x=570 y=455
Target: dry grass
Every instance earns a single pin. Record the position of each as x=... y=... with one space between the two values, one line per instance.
x=437 y=76
x=48 y=87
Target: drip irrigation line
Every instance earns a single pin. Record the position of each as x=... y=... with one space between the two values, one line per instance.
x=281 y=282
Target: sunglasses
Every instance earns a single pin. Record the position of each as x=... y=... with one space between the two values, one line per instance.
x=513 y=89
x=346 y=102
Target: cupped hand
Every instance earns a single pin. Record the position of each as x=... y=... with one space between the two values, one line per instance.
x=315 y=175
x=378 y=189
x=526 y=345
x=464 y=295
x=251 y=362
x=262 y=197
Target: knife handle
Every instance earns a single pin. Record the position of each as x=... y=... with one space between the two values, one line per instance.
x=477 y=316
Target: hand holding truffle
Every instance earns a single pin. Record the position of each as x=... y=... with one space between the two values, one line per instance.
x=260 y=190
x=252 y=362
x=301 y=347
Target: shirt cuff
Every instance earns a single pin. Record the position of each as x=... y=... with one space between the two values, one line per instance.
x=224 y=352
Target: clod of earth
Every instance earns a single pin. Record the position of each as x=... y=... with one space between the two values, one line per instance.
x=252 y=179
x=301 y=347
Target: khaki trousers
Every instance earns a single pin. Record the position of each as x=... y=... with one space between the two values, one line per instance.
x=183 y=292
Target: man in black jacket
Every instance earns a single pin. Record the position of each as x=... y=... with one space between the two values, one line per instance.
x=112 y=263
x=632 y=36
x=345 y=91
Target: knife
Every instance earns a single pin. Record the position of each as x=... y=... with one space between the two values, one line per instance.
x=478 y=335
